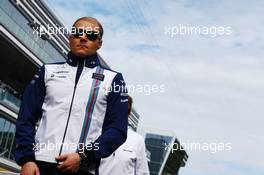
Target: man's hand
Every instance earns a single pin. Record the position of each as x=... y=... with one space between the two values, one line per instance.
x=69 y=162
x=30 y=168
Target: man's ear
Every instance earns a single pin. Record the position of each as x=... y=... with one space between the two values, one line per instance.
x=70 y=39
x=100 y=44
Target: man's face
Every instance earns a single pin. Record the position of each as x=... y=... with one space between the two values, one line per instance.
x=82 y=46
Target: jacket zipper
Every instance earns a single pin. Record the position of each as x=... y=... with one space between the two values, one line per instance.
x=73 y=95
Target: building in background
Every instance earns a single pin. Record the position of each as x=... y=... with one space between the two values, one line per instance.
x=26 y=44
x=23 y=50
x=164 y=160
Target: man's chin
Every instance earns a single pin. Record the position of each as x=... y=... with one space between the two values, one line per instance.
x=82 y=54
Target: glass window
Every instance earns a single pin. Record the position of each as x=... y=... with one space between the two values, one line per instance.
x=7 y=137
x=18 y=25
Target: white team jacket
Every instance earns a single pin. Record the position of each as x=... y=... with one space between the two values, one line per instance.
x=78 y=105
x=129 y=159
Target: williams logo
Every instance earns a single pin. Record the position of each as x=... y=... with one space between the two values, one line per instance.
x=98 y=76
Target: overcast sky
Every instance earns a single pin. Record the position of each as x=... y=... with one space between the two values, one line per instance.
x=212 y=87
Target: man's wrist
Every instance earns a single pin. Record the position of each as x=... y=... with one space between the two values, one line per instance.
x=82 y=158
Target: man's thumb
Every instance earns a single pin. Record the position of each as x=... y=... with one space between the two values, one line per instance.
x=62 y=157
x=37 y=171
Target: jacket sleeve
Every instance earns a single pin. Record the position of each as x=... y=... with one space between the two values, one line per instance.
x=29 y=113
x=114 y=131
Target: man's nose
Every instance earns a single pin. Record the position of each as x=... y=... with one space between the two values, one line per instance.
x=83 y=38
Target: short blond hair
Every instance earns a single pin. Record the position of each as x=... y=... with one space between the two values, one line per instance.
x=87 y=18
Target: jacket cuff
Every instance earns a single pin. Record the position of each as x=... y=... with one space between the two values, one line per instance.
x=26 y=159
x=90 y=156
x=90 y=159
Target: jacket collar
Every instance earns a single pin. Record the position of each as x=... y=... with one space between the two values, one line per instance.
x=91 y=61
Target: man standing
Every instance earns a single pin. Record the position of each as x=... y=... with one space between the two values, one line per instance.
x=80 y=108
x=130 y=158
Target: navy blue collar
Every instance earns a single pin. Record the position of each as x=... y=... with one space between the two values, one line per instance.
x=91 y=61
